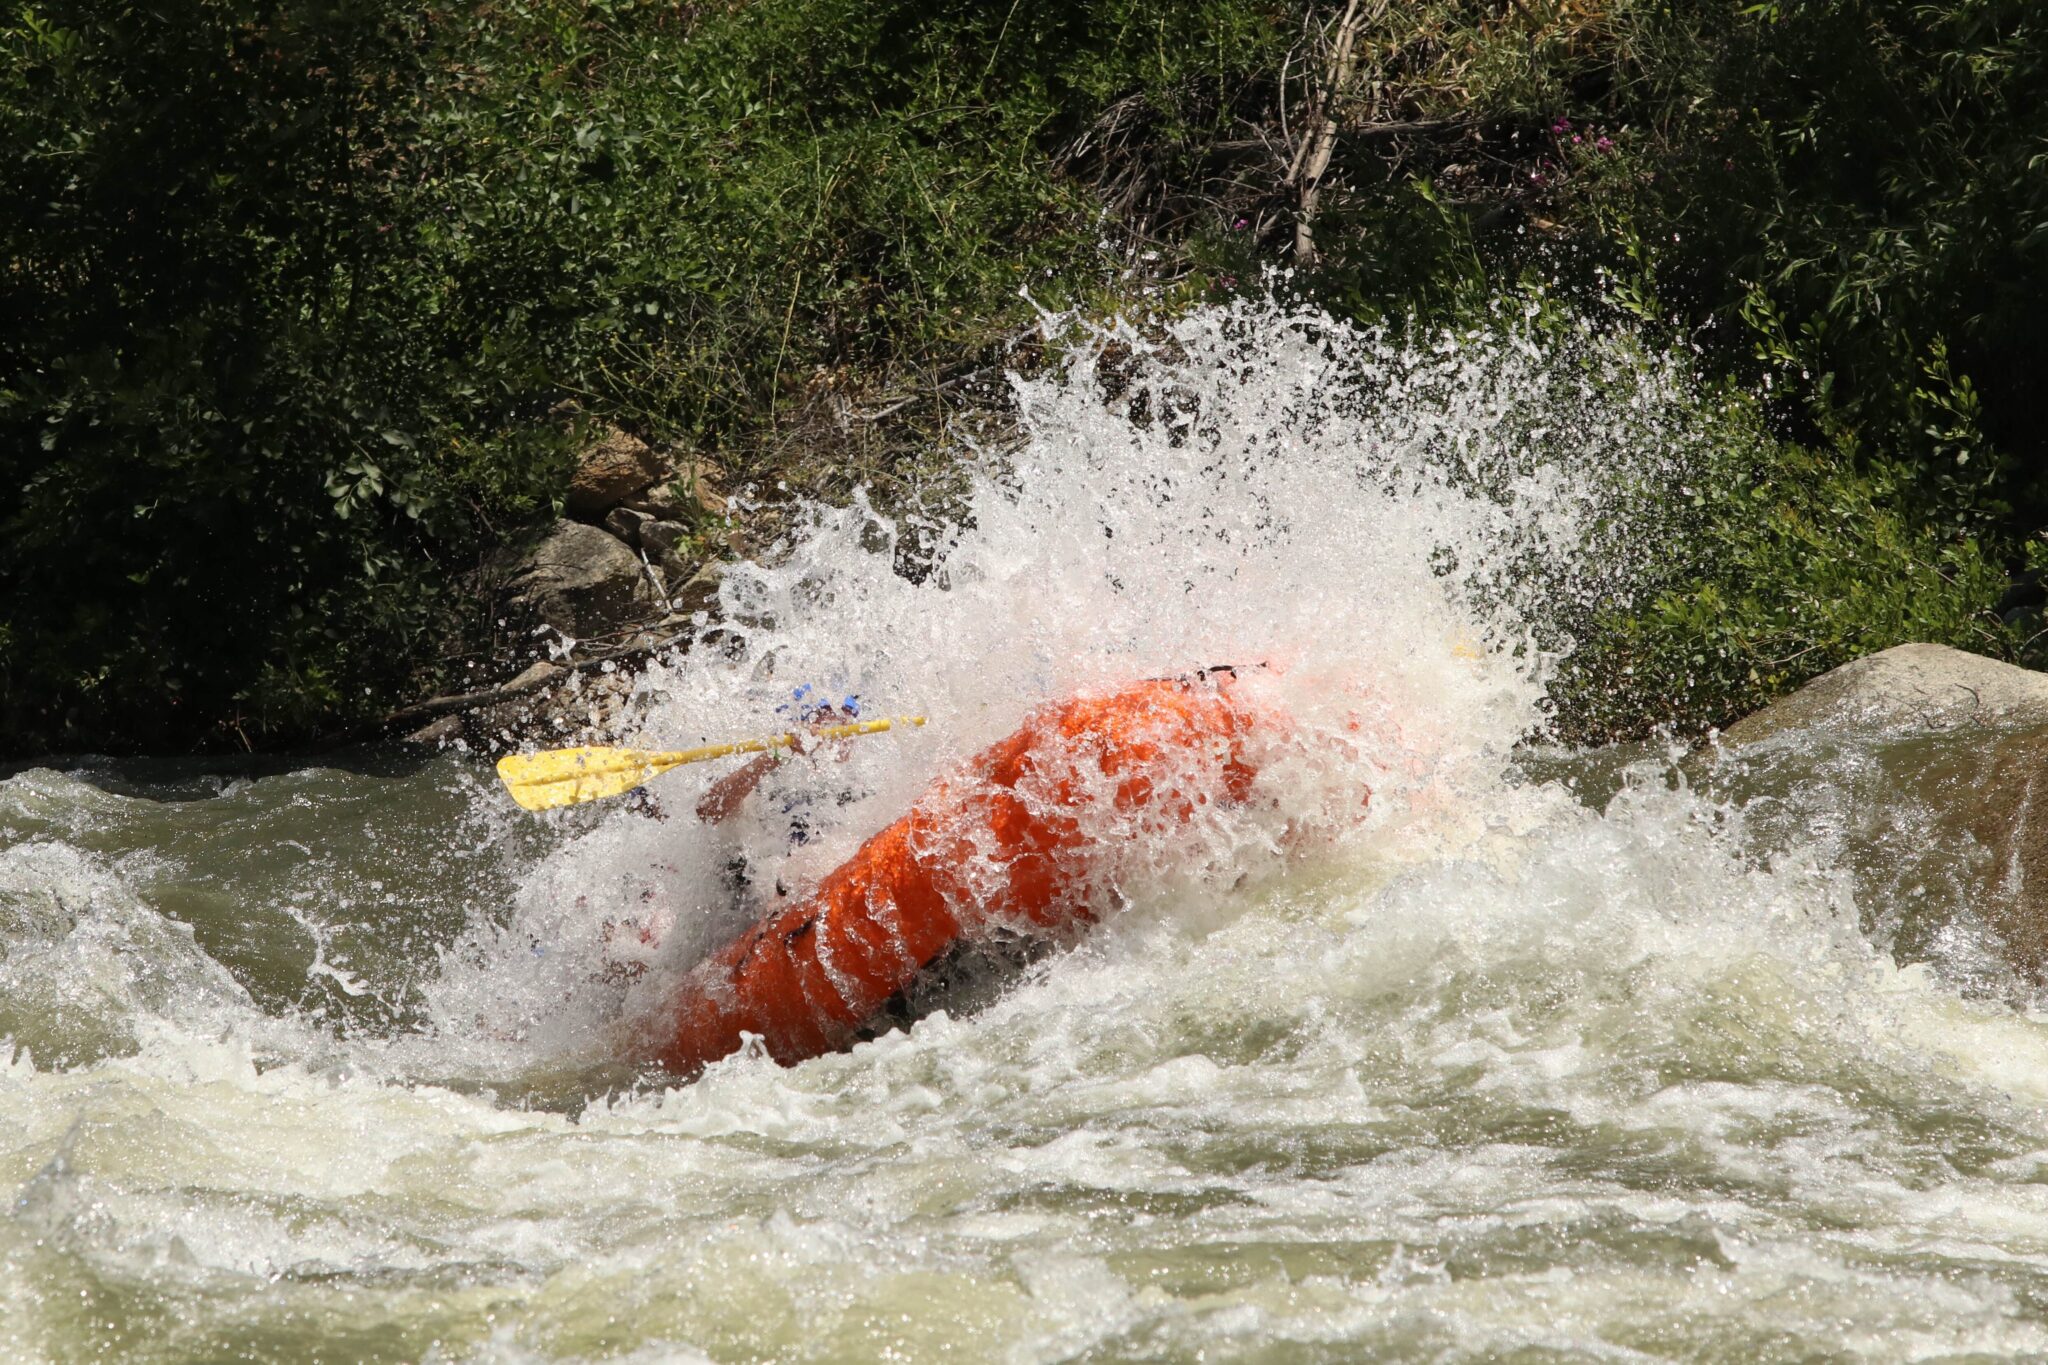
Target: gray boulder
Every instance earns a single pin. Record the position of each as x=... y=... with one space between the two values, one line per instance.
x=668 y=543
x=661 y=537
x=1930 y=766
x=1908 y=687
x=625 y=523
x=581 y=581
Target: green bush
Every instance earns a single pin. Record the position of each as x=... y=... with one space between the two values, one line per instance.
x=1847 y=199
x=1866 y=183
x=1783 y=562
x=706 y=223
x=292 y=286
x=229 y=414
x=1846 y=202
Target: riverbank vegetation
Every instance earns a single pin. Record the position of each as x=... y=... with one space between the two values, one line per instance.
x=304 y=299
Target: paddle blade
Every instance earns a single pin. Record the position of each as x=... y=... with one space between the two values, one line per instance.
x=565 y=777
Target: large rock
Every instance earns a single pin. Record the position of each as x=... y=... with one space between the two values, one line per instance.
x=1929 y=768
x=625 y=523
x=661 y=537
x=1986 y=805
x=1908 y=687
x=612 y=468
x=668 y=543
x=581 y=581
x=689 y=497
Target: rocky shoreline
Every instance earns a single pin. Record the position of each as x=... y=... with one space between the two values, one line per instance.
x=633 y=569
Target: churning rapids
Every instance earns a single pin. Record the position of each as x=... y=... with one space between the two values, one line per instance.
x=322 y=1063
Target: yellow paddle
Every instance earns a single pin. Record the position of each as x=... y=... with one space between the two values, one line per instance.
x=566 y=777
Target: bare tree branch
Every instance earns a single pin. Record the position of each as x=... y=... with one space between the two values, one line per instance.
x=1319 y=133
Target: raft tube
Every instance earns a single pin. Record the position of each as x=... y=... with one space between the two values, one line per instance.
x=1008 y=841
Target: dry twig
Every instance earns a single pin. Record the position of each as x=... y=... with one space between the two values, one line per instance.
x=1319 y=133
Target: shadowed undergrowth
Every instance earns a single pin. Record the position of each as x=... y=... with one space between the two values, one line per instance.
x=293 y=290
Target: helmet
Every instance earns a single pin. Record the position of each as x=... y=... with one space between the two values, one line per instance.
x=811 y=704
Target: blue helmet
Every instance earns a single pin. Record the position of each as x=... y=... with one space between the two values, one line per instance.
x=810 y=703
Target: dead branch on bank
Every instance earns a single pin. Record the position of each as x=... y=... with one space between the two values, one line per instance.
x=1319 y=131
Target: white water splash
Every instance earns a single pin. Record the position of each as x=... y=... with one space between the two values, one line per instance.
x=1387 y=528
x=1492 y=1074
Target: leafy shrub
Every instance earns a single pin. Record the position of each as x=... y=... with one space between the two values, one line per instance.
x=703 y=221
x=226 y=426
x=1863 y=181
x=1846 y=196
x=293 y=285
x=1785 y=562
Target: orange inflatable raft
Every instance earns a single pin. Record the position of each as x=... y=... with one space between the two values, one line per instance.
x=1014 y=840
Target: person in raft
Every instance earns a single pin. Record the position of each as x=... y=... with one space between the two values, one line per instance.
x=795 y=798
x=969 y=976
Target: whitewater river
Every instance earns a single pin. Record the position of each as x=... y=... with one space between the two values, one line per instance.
x=1549 y=1056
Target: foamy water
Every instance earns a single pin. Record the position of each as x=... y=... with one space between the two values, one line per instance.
x=323 y=1064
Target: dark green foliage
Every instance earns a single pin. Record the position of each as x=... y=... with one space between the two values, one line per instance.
x=1790 y=563
x=706 y=220
x=293 y=287
x=1850 y=196
x=229 y=423
x=1865 y=184
x=1856 y=193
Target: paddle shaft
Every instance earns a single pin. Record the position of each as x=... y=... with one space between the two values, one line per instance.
x=679 y=757
x=567 y=777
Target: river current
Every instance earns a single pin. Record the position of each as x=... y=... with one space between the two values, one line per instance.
x=1551 y=1056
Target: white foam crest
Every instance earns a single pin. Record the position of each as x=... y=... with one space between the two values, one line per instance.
x=86 y=967
x=1554 y=1078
